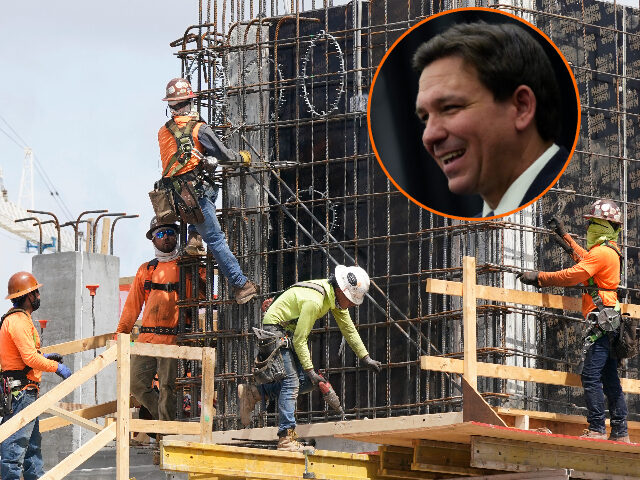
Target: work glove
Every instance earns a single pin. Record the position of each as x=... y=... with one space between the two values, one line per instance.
x=246 y=157
x=529 y=278
x=56 y=357
x=557 y=226
x=63 y=371
x=314 y=377
x=371 y=363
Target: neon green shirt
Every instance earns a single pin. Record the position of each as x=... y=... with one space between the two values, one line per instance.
x=307 y=305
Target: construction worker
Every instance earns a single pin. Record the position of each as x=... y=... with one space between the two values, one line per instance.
x=293 y=314
x=186 y=145
x=598 y=267
x=22 y=366
x=156 y=287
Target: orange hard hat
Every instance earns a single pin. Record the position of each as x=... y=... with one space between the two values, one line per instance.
x=20 y=284
x=179 y=89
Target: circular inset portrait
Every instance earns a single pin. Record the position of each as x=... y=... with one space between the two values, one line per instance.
x=473 y=113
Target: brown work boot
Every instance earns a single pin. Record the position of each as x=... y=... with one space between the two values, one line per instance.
x=624 y=439
x=195 y=246
x=248 y=396
x=593 y=434
x=288 y=442
x=246 y=292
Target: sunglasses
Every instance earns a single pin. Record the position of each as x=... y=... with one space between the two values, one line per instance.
x=168 y=232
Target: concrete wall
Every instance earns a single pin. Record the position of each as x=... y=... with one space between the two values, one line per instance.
x=66 y=303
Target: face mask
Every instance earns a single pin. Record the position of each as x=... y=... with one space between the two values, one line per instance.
x=599 y=231
x=35 y=303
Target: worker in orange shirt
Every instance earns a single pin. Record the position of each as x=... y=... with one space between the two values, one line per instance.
x=599 y=268
x=190 y=150
x=22 y=366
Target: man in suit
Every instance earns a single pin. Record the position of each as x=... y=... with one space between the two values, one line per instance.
x=489 y=100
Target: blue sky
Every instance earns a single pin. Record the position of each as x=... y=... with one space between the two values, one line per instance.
x=82 y=84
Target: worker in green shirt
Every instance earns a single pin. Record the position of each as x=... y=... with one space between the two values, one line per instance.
x=293 y=314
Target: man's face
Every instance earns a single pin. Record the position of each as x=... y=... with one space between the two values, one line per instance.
x=165 y=239
x=467 y=132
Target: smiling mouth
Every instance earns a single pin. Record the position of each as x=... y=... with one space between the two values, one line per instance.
x=451 y=156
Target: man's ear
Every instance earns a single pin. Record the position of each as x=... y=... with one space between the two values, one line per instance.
x=525 y=103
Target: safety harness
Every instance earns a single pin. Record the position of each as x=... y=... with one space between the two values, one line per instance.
x=184 y=146
x=165 y=287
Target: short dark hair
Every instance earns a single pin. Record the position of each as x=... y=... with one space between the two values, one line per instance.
x=505 y=56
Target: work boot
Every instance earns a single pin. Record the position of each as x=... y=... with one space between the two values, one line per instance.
x=593 y=434
x=624 y=439
x=288 y=442
x=245 y=293
x=195 y=246
x=248 y=396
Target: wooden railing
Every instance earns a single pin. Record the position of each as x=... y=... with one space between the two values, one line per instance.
x=119 y=352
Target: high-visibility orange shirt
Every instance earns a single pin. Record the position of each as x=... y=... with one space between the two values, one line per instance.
x=168 y=145
x=20 y=345
x=601 y=262
x=160 y=308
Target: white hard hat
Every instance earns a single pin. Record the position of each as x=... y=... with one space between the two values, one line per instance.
x=353 y=281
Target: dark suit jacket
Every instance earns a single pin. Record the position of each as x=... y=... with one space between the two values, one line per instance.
x=545 y=177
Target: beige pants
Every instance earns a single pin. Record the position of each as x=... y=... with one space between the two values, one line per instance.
x=162 y=405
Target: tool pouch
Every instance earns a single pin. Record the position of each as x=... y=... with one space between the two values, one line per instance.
x=609 y=319
x=163 y=204
x=188 y=208
x=6 y=398
x=625 y=344
x=269 y=364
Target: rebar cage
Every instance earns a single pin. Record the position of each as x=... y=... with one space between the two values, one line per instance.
x=289 y=82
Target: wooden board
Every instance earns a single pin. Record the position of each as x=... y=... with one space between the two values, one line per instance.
x=166 y=351
x=475 y=408
x=444 y=457
x=76 y=346
x=101 y=410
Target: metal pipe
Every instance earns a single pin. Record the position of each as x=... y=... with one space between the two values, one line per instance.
x=113 y=225
x=95 y=226
x=56 y=222
x=78 y=222
x=39 y=228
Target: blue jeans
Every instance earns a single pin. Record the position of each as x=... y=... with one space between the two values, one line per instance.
x=599 y=378
x=286 y=391
x=23 y=447
x=216 y=241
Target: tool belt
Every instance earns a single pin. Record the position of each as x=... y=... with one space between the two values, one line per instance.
x=167 y=287
x=176 y=198
x=269 y=364
x=160 y=330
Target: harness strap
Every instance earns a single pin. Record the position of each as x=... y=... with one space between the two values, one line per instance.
x=167 y=287
x=160 y=330
x=311 y=285
x=595 y=293
x=184 y=146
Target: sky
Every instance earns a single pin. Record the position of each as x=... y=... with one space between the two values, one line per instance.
x=82 y=84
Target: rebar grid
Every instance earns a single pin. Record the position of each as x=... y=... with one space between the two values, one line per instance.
x=289 y=81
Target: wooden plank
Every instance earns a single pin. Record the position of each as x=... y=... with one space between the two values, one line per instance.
x=475 y=408
x=89 y=237
x=562 y=474
x=166 y=351
x=76 y=346
x=395 y=464
x=106 y=226
x=512 y=372
x=54 y=395
x=207 y=411
x=78 y=457
x=126 y=280
x=444 y=457
x=507 y=295
x=164 y=427
x=515 y=455
x=521 y=422
x=52 y=423
x=122 y=414
x=470 y=370
x=75 y=419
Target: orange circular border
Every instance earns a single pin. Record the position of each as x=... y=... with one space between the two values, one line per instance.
x=493 y=10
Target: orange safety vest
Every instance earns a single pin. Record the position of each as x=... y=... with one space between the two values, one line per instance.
x=180 y=149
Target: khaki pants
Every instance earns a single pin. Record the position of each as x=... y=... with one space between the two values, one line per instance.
x=162 y=405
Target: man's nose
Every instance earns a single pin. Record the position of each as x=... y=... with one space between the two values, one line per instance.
x=434 y=132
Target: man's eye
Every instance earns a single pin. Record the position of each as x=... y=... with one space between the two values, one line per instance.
x=449 y=108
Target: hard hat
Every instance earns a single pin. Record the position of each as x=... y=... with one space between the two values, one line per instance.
x=353 y=281
x=605 y=210
x=20 y=284
x=179 y=89
x=153 y=225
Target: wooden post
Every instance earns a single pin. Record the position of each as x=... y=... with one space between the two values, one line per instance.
x=208 y=394
x=89 y=244
x=106 y=229
x=122 y=413
x=470 y=370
